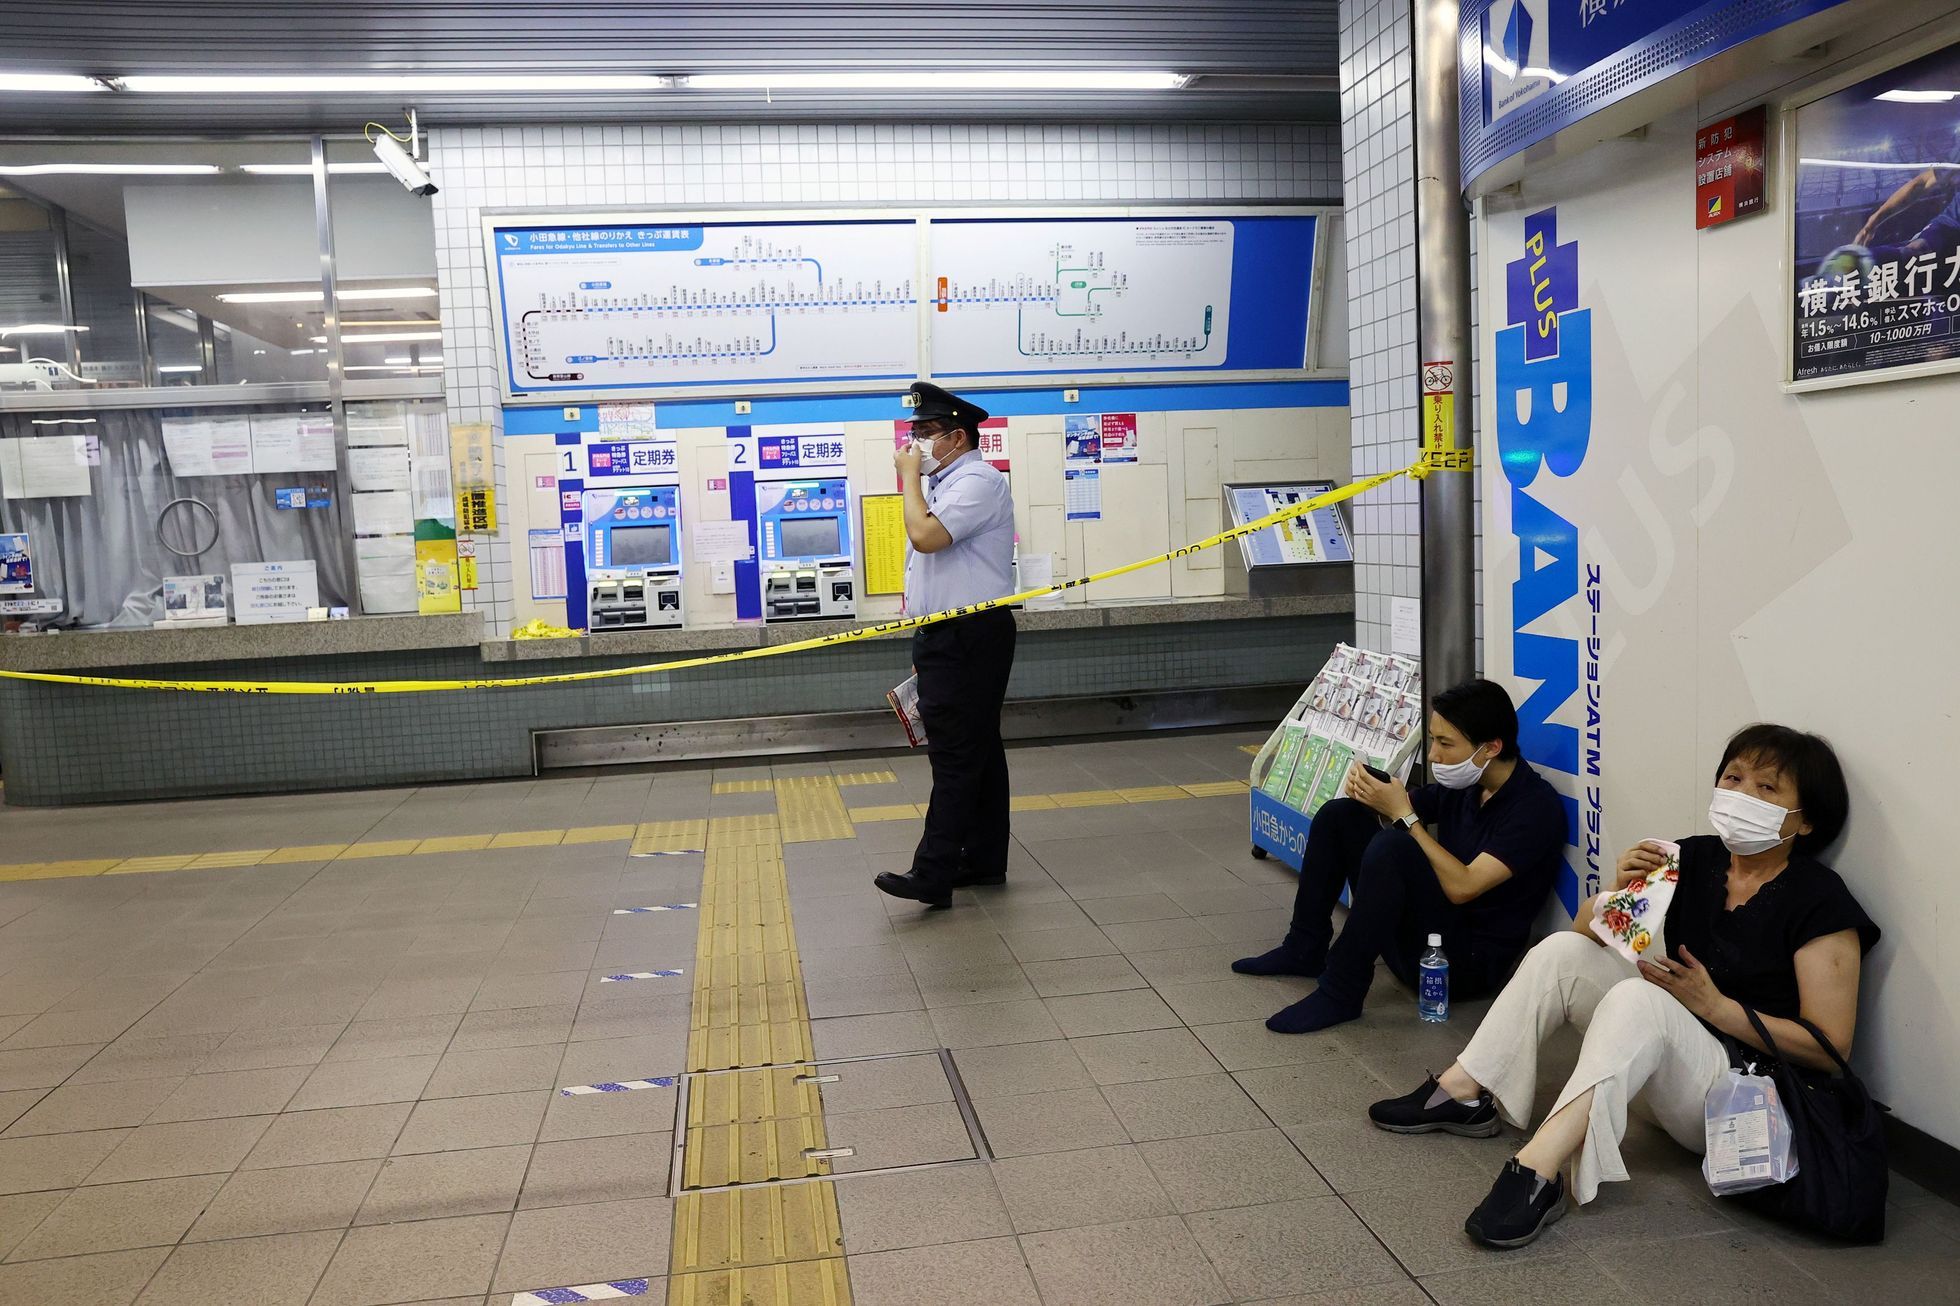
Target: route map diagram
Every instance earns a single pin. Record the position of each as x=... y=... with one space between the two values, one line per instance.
x=1017 y=297
x=642 y=306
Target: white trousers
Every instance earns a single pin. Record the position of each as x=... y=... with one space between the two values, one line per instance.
x=1639 y=1041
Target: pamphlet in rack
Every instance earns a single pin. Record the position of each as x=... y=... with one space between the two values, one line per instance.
x=1362 y=707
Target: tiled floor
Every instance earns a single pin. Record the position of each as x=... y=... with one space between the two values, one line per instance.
x=334 y=1082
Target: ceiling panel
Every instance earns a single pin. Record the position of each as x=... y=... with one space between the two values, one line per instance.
x=1257 y=59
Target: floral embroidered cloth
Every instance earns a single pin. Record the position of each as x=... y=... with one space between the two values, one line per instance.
x=1629 y=920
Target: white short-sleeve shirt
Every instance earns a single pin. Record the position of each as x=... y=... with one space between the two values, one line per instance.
x=971 y=500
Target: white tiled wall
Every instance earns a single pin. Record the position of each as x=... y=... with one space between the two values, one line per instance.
x=709 y=166
x=1378 y=170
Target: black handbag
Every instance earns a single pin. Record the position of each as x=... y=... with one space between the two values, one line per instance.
x=1838 y=1133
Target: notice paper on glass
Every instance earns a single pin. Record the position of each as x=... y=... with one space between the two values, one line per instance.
x=1083 y=493
x=383 y=512
x=266 y=592
x=292 y=442
x=208 y=446
x=384 y=468
x=386 y=568
x=1037 y=570
x=16 y=565
x=547 y=565
x=44 y=467
x=722 y=541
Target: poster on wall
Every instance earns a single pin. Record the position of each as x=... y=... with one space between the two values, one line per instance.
x=1729 y=168
x=16 y=565
x=1876 y=263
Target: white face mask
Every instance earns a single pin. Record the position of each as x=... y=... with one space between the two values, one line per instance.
x=1747 y=824
x=1459 y=775
x=928 y=462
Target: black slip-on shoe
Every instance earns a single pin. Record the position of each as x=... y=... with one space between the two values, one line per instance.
x=911 y=886
x=1411 y=1114
x=1518 y=1208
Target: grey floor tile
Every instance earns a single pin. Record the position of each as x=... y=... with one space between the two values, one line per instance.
x=1178 y=1108
x=1423 y=1225
x=1086 y=1014
x=20 y=1213
x=263 y=1049
x=107 y=1279
x=1015 y=1068
x=495 y=1070
x=1917 y=1262
x=422 y=1259
x=559 y=1245
x=482 y=1181
x=967 y=987
x=43 y=1067
x=363 y=1083
x=956 y=1203
x=181 y=1148
x=1498 y=1280
x=348 y=1133
x=1049 y=1122
x=1221 y=1001
x=1066 y=1189
x=876 y=1085
x=514 y=1027
x=14 y=1105
x=863 y=1036
x=1284 y=1248
x=458 y=1123
x=1310 y=1093
x=293 y=1199
x=504 y=990
x=1404 y=1293
x=1662 y=1206
x=269 y=1270
x=608 y=1061
x=149 y=1058
x=60 y=1028
x=1731 y=1266
x=608 y=1169
x=1164 y=934
x=1145 y=1054
x=895 y=1136
x=1059 y=944
x=378 y=1040
x=1120 y=1264
x=1218 y=1171
x=1208 y=962
x=76 y=1107
x=54 y=1160
x=986 y=1272
x=233 y=1093
x=1353 y=1156
x=862 y=995
x=1249 y=1045
x=990 y=1023
x=1136 y=907
x=115 y=1217
x=1052 y=979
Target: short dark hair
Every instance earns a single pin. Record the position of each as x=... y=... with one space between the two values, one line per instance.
x=1483 y=711
x=1812 y=763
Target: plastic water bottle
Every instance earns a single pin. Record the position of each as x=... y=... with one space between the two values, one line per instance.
x=1433 y=988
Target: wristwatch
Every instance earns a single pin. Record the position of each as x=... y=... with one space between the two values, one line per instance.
x=1409 y=822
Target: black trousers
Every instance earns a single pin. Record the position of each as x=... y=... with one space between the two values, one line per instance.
x=963 y=665
x=1396 y=902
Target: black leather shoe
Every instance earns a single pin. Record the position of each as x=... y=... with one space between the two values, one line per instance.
x=1519 y=1208
x=1412 y=1114
x=911 y=886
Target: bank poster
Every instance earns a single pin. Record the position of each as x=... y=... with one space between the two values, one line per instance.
x=1877 y=258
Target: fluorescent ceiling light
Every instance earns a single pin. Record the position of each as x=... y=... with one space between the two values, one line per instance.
x=182 y=367
x=1060 y=79
x=38 y=329
x=1879 y=167
x=377 y=367
x=318 y=296
x=61 y=82
x=108 y=169
x=419 y=362
x=387 y=337
x=1919 y=97
x=63 y=421
x=297 y=352
x=392 y=83
x=306 y=169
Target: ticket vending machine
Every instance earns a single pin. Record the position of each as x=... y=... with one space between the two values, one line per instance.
x=633 y=558
x=803 y=529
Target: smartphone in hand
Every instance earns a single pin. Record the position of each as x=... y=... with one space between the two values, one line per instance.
x=1380 y=775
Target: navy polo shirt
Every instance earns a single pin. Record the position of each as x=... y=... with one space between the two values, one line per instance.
x=1522 y=825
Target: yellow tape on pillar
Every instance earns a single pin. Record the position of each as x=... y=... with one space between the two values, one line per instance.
x=1419 y=469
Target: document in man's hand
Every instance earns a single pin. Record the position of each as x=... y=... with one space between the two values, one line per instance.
x=905 y=702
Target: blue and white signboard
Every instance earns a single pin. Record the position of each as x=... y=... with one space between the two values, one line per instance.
x=631 y=460
x=1534 y=67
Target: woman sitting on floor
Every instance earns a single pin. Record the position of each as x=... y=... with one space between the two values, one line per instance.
x=1755 y=920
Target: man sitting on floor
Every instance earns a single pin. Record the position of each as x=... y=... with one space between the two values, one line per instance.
x=1470 y=857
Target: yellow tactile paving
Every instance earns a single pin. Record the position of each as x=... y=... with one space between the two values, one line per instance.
x=142 y=865
x=868 y=778
x=1153 y=794
x=380 y=848
x=244 y=857
x=528 y=839
x=748 y=1227
x=744 y=786
x=894 y=812
x=600 y=834
x=454 y=843
x=311 y=852
x=1217 y=788
x=811 y=808
x=754 y=1152
x=1089 y=798
x=671 y=836
x=1032 y=803
x=802 y=1283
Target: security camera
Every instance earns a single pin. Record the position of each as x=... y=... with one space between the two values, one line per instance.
x=403 y=168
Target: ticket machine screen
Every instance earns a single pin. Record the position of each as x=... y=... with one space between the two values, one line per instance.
x=642 y=546
x=810 y=537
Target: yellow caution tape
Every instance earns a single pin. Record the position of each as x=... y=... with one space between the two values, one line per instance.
x=539 y=628
x=1417 y=470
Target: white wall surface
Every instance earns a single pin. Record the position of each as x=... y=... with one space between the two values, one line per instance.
x=1764 y=556
x=695 y=167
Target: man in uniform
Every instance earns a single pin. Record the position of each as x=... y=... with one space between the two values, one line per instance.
x=959 y=523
